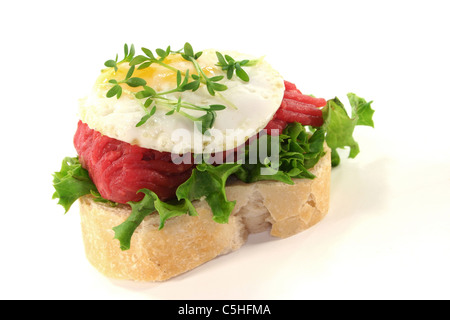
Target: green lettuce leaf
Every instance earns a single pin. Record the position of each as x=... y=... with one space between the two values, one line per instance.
x=255 y=169
x=315 y=151
x=361 y=110
x=339 y=126
x=208 y=181
x=299 y=150
x=71 y=182
x=99 y=198
x=141 y=209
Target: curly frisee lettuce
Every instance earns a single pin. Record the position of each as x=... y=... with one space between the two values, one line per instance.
x=299 y=149
x=339 y=126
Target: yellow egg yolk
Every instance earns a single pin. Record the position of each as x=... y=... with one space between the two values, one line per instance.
x=157 y=76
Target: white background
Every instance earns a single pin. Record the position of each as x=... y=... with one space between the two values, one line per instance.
x=387 y=234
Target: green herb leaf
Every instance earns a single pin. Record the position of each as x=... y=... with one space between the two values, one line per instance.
x=113 y=91
x=219 y=87
x=142 y=94
x=230 y=72
x=130 y=56
x=229 y=59
x=144 y=119
x=204 y=123
x=148 y=102
x=161 y=53
x=194 y=85
x=119 y=92
x=145 y=65
x=136 y=82
x=241 y=73
x=188 y=51
x=149 y=53
x=138 y=60
x=130 y=72
x=185 y=81
x=216 y=107
x=210 y=88
x=178 y=78
x=221 y=59
x=110 y=64
x=147 y=92
x=147 y=115
x=216 y=78
x=198 y=55
x=150 y=90
x=230 y=65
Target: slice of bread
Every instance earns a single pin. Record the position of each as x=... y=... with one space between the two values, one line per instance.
x=187 y=242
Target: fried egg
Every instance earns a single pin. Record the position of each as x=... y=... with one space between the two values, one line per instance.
x=249 y=106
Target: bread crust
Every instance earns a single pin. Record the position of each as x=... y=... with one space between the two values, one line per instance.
x=186 y=242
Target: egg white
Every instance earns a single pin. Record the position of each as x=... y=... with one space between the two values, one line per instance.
x=250 y=106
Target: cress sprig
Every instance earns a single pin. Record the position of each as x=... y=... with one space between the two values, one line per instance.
x=230 y=65
x=212 y=84
x=151 y=96
x=128 y=57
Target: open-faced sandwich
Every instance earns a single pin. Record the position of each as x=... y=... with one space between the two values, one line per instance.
x=182 y=154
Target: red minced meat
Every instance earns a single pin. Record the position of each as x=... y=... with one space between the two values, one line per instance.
x=119 y=169
x=296 y=107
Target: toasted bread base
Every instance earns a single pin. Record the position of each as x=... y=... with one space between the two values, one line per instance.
x=186 y=242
